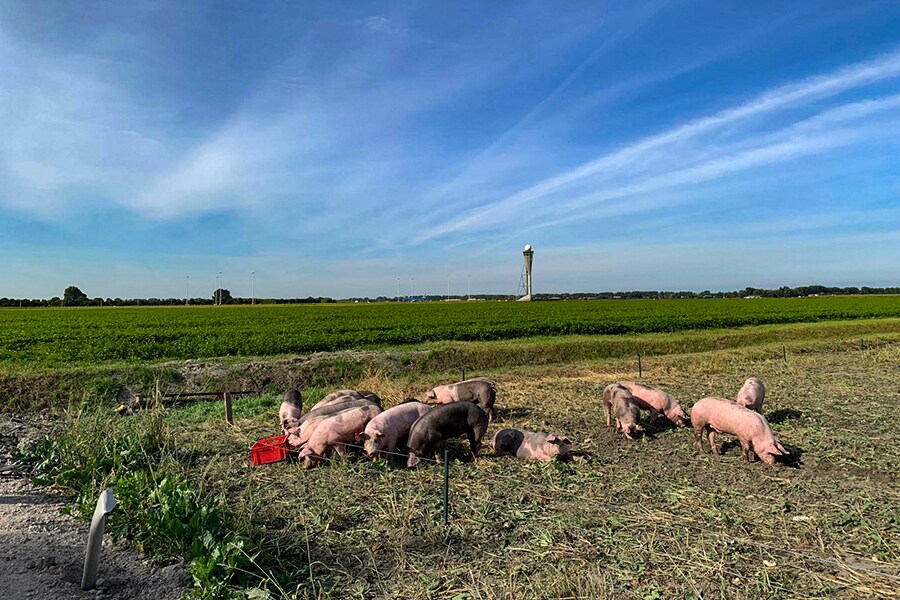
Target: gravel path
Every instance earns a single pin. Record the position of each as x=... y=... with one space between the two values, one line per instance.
x=42 y=551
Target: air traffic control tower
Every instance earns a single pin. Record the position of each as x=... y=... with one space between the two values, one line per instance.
x=528 y=254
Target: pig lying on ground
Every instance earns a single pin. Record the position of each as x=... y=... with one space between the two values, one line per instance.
x=530 y=445
x=656 y=401
x=290 y=411
x=617 y=398
x=344 y=395
x=383 y=432
x=443 y=423
x=479 y=390
x=337 y=407
x=718 y=415
x=752 y=395
x=335 y=431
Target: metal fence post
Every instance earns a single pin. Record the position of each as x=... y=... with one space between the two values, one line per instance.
x=446 y=483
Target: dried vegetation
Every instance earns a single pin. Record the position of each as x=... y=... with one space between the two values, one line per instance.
x=623 y=520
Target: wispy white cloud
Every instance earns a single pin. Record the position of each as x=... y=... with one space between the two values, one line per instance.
x=816 y=135
x=381 y=25
x=669 y=143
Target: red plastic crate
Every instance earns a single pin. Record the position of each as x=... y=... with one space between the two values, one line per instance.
x=269 y=450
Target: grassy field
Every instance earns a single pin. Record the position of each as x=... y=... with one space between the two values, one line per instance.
x=58 y=338
x=624 y=520
x=30 y=387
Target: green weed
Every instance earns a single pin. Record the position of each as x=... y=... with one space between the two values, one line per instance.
x=160 y=510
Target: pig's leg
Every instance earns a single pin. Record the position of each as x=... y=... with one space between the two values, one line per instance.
x=745 y=450
x=711 y=437
x=474 y=445
x=698 y=440
x=751 y=453
x=608 y=422
x=653 y=415
x=340 y=449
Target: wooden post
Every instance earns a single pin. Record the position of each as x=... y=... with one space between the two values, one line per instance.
x=464 y=374
x=784 y=353
x=228 y=416
x=640 y=366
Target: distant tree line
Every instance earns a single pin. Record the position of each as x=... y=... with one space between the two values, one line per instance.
x=73 y=296
x=749 y=292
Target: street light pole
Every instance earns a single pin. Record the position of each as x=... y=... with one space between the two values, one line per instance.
x=252 y=296
x=448 y=288
x=469 y=286
x=411 y=279
x=187 y=290
x=398 y=289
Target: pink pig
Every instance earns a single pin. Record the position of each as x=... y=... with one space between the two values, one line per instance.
x=656 y=401
x=718 y=415
x=336 y=431
x=383 y=432
x=290 y=411
x=478 y=390
x=534 y=446
x=617 y=398
x=299 y=436
x=752 y=395
x=345 y=395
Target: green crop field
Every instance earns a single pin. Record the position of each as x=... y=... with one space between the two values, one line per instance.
x=56 y=337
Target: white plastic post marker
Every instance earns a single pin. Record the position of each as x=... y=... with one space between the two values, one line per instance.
x=105 y=504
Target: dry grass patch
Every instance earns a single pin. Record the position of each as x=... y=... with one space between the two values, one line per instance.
x=625 y=520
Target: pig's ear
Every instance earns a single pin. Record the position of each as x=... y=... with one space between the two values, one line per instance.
x=553 y=438
x=565 y=440
x=781 y=449
x=362 y=436
x=430 y=394
x=305 y=452
x=378 y=434
x=413 y=460
x=638 y=428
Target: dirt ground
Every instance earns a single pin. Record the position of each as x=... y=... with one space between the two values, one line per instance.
x=42 y=550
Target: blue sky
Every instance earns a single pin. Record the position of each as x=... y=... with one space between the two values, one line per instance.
x=332 y=148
